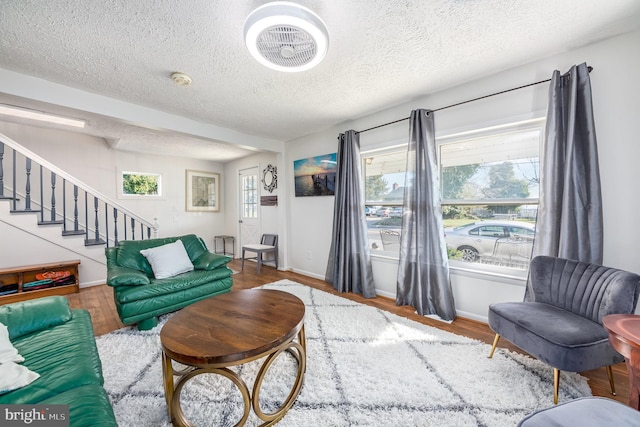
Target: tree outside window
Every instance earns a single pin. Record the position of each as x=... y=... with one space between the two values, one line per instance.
x=140 y=184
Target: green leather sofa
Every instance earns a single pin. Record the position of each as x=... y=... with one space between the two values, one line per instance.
x=140 y=297
x=58 y=343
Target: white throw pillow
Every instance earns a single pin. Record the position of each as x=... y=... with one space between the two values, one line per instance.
x=168 y=260
x=14 y=376
x=8 y=353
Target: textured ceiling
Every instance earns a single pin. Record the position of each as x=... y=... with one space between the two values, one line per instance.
x=381 y=53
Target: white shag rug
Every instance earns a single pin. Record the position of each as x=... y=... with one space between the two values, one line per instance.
x=365 y=367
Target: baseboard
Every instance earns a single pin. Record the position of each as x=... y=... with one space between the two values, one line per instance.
x=90 y=284
x=472 y=316
x=307 y=273
x=386 y=294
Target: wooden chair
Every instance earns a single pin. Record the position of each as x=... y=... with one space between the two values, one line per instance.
x=268 y=244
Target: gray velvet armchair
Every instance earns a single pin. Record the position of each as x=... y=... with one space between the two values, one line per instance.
x=560 y=321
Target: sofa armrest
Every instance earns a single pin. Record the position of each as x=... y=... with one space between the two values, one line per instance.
x=23 y=318
x=123 y=276
x=210 y=261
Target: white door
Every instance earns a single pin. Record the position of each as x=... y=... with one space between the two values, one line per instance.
x=249 y=223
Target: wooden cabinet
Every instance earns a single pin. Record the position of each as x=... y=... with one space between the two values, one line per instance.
x=38 y=280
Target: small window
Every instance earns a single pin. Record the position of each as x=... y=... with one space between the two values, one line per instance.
x=250 y=196
x=140 y=185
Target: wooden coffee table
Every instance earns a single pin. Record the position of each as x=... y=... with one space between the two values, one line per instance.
x=231 y=329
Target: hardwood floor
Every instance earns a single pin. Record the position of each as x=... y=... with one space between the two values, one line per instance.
x=98 y=300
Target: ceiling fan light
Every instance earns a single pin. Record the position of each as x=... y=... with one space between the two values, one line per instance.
x=285 y=36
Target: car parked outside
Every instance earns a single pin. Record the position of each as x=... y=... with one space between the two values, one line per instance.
x=511 y=240
x=372 y=210
x=385 y=212
x=396 y=213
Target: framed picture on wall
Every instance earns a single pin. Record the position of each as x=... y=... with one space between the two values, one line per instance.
x=203 y=191
x=315 y=176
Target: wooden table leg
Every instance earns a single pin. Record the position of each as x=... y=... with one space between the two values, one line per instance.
x=633 y=368
x=167 y=374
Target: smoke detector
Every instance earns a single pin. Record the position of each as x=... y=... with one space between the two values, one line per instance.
x=181 y=79
x=285 y=36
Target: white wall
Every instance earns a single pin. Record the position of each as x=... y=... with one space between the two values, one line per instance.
x=91 y=160
x=616 y=91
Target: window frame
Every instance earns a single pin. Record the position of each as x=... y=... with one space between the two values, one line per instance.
x=466 y=268
x=255 y=191
x=120 y=184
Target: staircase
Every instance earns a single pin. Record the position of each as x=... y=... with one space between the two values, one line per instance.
x=60 y=208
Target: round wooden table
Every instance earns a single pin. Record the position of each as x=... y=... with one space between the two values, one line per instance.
x=624 y=336
x=231 y=329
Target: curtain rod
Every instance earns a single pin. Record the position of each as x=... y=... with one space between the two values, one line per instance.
x=466 y=102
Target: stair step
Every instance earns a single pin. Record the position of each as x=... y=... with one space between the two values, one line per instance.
x=94 y=242
x=73 y=233
x=20 y=211
x=56 y=222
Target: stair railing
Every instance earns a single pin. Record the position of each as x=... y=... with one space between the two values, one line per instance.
x=82 y=207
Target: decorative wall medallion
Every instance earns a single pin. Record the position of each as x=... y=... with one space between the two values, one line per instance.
x=270 y=178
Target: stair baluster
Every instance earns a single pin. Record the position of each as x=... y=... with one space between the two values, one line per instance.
x=96 y=240
x=14 y=201
x=2 y=196
x=53 y=197
x=27 y=198
x=41 y=198
x=76 y=223
x=115 y=227
x=64 y=206
x=106 y=224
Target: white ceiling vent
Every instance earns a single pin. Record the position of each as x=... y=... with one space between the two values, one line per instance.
x=285 y=36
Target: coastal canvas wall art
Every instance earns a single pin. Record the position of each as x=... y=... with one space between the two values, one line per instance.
x=315 y=176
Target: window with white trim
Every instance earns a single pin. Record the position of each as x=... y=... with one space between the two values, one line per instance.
x=250 y=196
x=139 y=185
x=489 y=182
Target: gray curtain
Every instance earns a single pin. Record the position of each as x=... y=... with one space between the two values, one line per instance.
x=349 y=266
x=423 y=272
x=569 y=221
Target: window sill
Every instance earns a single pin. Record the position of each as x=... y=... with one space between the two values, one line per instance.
x=508 y=278
x=485 y=272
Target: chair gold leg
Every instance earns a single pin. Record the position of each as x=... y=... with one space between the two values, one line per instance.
x=495 y=343
x=610 y=375
x=556 y=385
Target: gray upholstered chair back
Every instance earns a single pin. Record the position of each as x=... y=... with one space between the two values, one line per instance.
x=589 y=290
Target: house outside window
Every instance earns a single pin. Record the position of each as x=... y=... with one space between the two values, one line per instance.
x=489 y=182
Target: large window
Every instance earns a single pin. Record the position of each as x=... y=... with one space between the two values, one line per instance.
x=489 y=185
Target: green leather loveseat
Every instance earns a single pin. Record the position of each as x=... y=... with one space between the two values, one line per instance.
x=58 y=343
x=140 y=297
